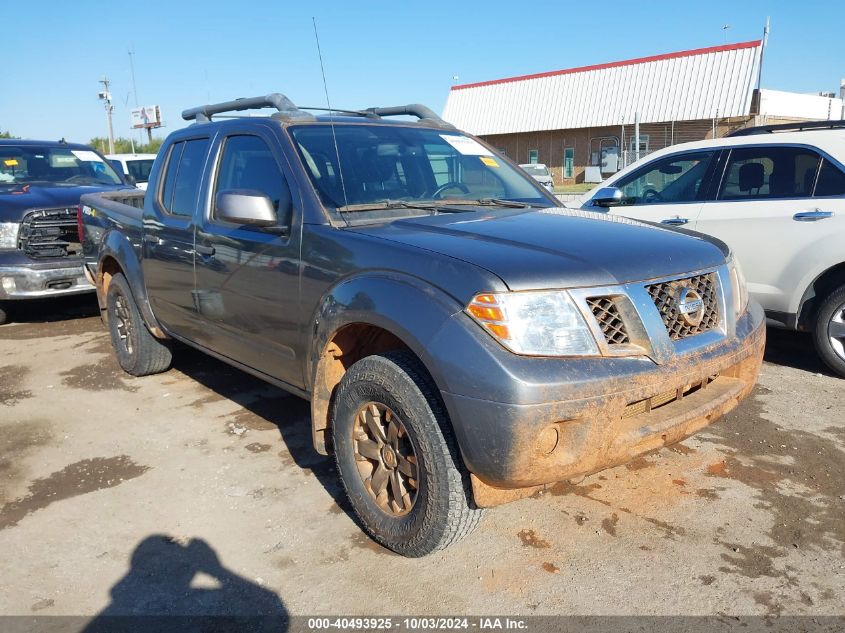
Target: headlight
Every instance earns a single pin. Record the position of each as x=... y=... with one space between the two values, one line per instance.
x=740 y=289
x=543 y=323
x=9 y=234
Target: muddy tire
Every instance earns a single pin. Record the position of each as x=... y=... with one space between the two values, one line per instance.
x=397 y=457
x=138 y=352
x=829 y=331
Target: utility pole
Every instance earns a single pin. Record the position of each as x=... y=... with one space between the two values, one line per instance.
x=105 y=97
x=135 y=88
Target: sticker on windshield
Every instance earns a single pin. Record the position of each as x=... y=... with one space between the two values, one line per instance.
x=11 y=162
x=489 y=161
x=466 y=145
x=86 y=155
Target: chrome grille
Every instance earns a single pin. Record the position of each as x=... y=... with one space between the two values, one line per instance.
x=50 y=233
x=609 y=320
x=665 y=296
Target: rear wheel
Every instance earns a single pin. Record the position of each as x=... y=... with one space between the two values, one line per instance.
x=397 y=457
x=4 y=314
x=829 y=332
x=138 y=352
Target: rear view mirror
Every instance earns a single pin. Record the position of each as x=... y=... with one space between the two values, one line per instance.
x=670 y=170
x=245 y=206
x=607 y=197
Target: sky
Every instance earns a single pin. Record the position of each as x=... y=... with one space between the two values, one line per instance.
x=375 y=54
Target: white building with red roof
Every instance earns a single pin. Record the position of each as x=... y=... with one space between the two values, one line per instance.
x=588 y=117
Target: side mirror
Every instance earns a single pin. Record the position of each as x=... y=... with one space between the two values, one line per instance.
x=607 y=197
x=245 y=206
x=130 y=180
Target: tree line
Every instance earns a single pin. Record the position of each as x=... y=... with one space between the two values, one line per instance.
x=124 y=145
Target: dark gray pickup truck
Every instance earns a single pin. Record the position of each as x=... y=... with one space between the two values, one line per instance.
x=463 y=340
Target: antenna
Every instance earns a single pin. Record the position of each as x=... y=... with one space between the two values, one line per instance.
x=331 y=114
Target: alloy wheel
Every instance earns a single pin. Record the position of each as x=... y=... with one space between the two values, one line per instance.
x=385 y=457
x=836 y=331
x=123 y=322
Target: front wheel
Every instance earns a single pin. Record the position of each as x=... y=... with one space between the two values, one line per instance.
x=4 y=314
x=138 y=352
x=829 y=331
x=397 y=457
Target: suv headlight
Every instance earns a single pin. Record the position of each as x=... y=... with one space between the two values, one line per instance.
x=739 y=287
x=9 y=234
x=532 y=323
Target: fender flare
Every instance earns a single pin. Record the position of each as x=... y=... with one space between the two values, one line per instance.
x=116 y=245
x=404 y=306
x=805 y=287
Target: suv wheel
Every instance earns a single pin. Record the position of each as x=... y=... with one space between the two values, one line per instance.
x=397 y=458
x=138 y=352
x=4 y=314
x=829 y=332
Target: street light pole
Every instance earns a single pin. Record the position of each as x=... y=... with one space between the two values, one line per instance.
x=105 y=96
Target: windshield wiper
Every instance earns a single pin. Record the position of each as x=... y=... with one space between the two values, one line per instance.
x=425 y=205
x=486 y=202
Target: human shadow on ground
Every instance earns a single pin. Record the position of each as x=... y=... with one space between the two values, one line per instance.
x=182 y=586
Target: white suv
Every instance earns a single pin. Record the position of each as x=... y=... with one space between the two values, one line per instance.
x=776 y=196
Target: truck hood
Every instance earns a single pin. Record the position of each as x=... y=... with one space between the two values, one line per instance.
x=16 y=200
x=557 y=248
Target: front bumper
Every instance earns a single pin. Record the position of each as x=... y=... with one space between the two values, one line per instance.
x=612 y=410
x=42 y=279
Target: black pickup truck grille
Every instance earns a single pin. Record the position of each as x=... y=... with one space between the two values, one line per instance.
x=50 y=233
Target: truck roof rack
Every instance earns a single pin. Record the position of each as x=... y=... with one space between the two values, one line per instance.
x=284 y=106
x=789 y=127
x=286 y=109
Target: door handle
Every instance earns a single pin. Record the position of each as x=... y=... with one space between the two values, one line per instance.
x=674 y=221
x=152 y=239
x=812 y=216
x=206 y=251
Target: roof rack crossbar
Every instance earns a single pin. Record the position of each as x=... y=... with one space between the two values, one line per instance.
x=789 y=127
x=423 y=113
x=283 y=105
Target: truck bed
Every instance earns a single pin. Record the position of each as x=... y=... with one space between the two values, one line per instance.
x=103 y=212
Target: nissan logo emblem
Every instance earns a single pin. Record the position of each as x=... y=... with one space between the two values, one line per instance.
x=690 y=306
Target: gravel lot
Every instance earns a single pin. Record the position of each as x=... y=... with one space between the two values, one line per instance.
x=197 y=490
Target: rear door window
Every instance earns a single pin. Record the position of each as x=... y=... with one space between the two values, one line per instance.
x=183 y=176
x=769 y=172
x=831 y=181
x=140 y=169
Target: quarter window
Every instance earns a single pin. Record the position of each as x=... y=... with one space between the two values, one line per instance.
x=676 y=178
x=769 y=172
x=831 y=180
x=248 y=163
x=183 y=175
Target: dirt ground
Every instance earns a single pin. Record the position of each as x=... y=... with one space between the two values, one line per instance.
x=197 y=491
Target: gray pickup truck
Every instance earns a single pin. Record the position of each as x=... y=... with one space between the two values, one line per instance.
x=463 y=340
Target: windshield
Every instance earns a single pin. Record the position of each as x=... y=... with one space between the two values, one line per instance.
x=536 y=170
x=405 y=165
x=140 y=169
x=57 y=165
